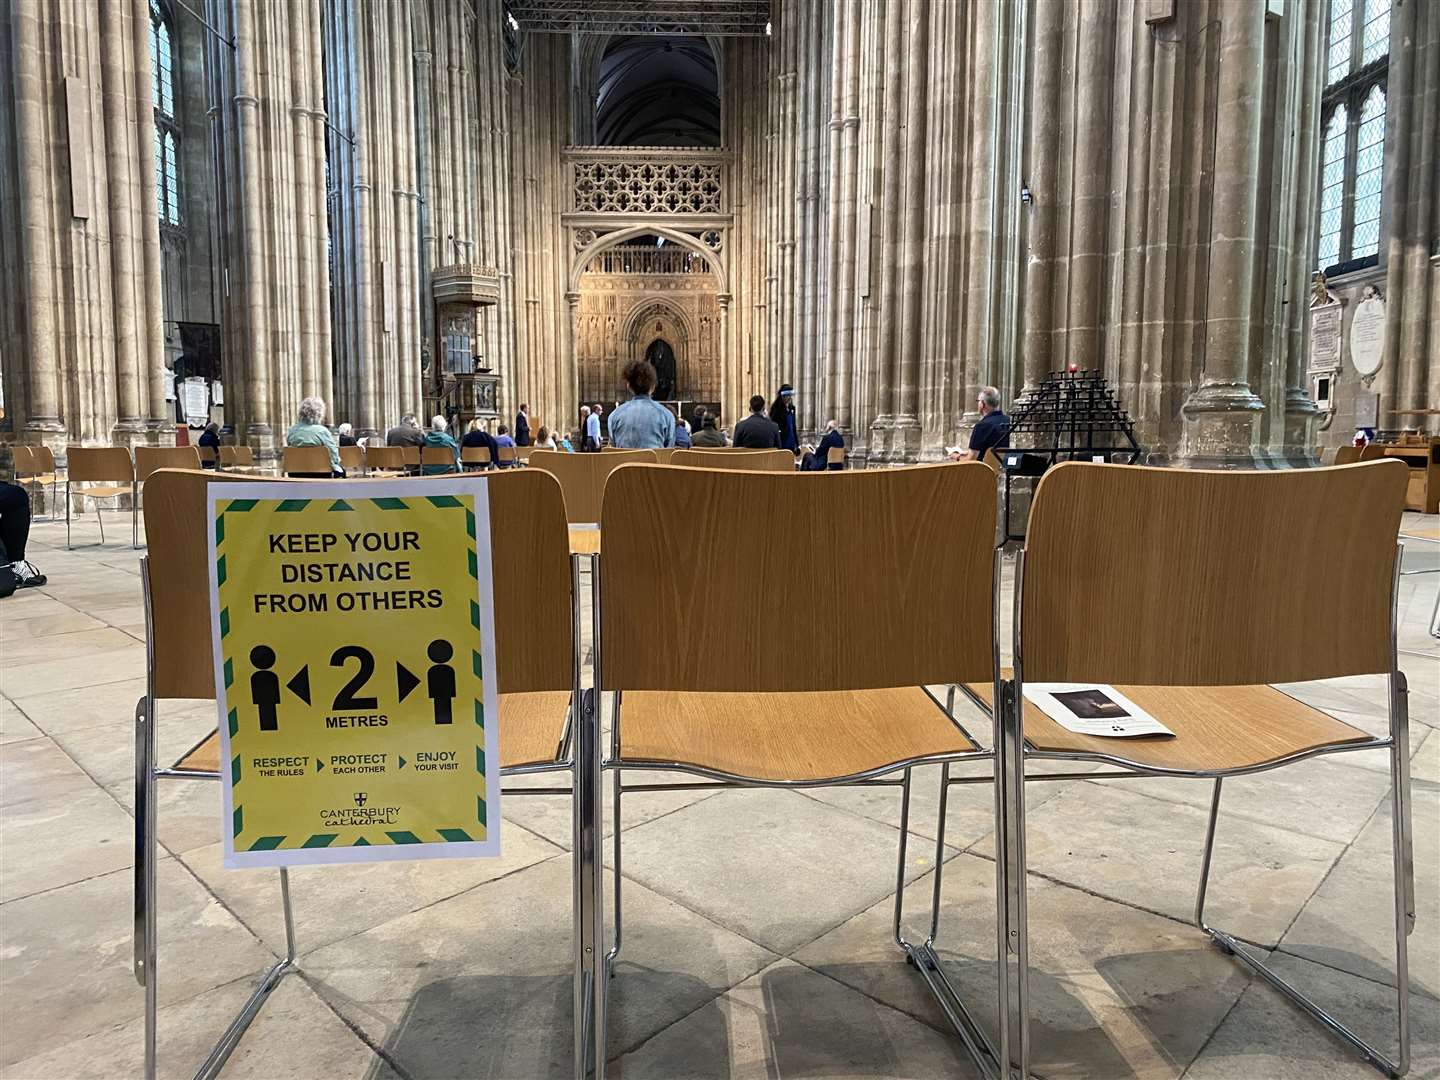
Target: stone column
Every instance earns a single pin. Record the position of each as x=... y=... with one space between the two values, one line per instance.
x=571 y=406
x=1221 y=412
x=152 y=337
x=256 y=339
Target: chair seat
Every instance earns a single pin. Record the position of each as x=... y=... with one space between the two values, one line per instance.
x=104 y=491
x=791 y=737
x=1217 y=728
x=531 y=728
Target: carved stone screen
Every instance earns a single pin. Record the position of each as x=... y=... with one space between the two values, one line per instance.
x=647 y=187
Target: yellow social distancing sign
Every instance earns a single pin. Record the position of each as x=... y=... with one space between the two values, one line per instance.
x=355 y=655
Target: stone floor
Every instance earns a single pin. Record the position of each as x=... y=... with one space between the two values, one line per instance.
x=756 y=923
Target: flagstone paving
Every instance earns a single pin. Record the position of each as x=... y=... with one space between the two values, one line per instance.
x=757 y=924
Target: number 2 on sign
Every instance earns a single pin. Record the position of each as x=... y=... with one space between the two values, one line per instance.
x=346 y=698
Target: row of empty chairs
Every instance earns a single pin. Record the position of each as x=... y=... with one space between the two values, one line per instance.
x=1128 y=578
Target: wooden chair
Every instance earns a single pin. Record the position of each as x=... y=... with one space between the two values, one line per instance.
x=35 y=465
x=736 y=459
x=108 y=473
x=437 y=459
x=477 y=457
x=411 y=454
x=507 y=456
x=209 y=456
x=537 y=671
x=582 y=477
x=993 y=461
x=835 y=457
x=1131 y=577
x=309 y=461
x=1347 y=455
x=1372 y=450
x=151 y=459
x=352 y=460
x=729 y=704
x=385 y=460
x=237 y=458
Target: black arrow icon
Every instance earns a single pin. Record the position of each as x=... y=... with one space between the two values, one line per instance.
x=319 y=764
x=402 y=761
x=405 y=680
x=299 y=685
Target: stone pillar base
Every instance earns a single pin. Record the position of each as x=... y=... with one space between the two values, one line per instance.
x=1301 y=415
x=130 y=433
x=894 y=440
x=1220 y=429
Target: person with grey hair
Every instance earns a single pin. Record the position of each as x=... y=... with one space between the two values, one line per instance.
x=310 y=430
x=405 y=433
x=992 y=432
x=346 y=435
x=439 y=435
x=818 y=460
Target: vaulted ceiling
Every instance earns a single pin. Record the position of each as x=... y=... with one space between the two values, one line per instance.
x=658 y=90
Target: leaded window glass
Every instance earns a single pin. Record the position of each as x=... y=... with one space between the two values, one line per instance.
x=1352 y=149
x=167 y=129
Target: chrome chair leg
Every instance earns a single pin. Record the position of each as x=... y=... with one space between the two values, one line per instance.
x=922 y=955
x=616 y=790
x=1404 y=892
x=1012 y=930
x=145 y=857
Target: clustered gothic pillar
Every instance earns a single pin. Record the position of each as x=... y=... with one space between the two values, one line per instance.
x=82 y=346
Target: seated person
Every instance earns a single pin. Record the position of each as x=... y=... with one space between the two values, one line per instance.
x=757 y=431
x=309 y=430
x=439 y=435
x=682 y=434
x=991 y=433
x=16 y=572
x=405 y=433
x=562 y=442
x=210 y=437
x=345 y=434
x=641 y=423
x=543 y=439
x=818 y=460
x=709 y=436
x=478 y=436
x=502 y=438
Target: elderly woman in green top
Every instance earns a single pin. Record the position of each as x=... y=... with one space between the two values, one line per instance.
x=310 y=430
x=438 y=435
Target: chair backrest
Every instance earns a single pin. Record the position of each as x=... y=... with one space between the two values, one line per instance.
x=150 y=458
x=411 y=454
x=475 y=455
x=523 y=452
x=835 y=456
x=209 y=453
x=663 y=454
x=738 y=459
x=437 y=455
x=99 y=463
x=1347 y=455
x=22 y=460
x=237 y=456
x=582 y=477
x=305 y=459
x=993 y=460
x=889 y=559
x=385 y=457
x=506 y=455
x=1372 y=450
x=529 y=554
x=353 y=458
x=1182 y=577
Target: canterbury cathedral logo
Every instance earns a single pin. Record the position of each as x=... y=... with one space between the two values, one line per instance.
x=361 y=798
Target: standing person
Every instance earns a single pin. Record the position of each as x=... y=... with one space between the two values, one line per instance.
x=346 y=435
x=782 y=412
x=405 y=433
x=641 y=423
x=591 y=443
x=993 y=430
x=522 y=426
x=757 y=431
x=16 y=572
x=709 y=437
x=439 y=435
x=682 y=434
x=211 y=437
x=818 y=460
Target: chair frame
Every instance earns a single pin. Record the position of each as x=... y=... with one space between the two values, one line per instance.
x=134 y=498
x=576 y=750
x=33 y=476
x=918 y=954
x=1012 y=922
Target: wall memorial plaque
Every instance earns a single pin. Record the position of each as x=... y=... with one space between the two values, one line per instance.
x=1367 y=334
x=1325 y=338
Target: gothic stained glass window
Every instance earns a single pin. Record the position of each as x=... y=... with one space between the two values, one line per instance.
x=1352 y=149
x=167 y=130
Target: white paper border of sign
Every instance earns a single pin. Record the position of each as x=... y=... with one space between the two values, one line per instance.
x=477 y=486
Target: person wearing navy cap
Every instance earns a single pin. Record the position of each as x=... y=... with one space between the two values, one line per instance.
x=782 y=411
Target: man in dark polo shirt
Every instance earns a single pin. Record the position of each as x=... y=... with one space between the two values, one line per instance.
x=993 y=430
